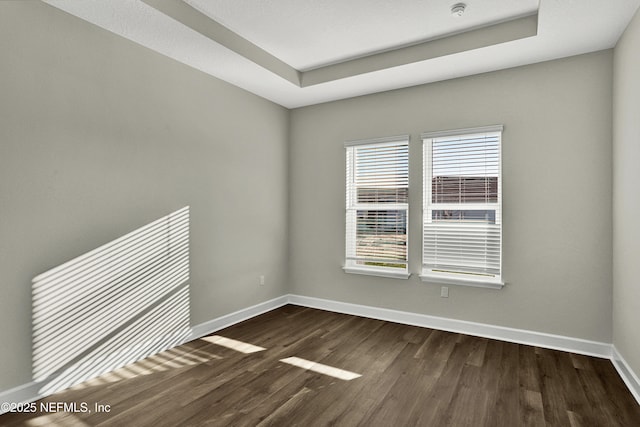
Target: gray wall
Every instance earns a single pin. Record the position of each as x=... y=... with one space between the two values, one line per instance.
x=99 y=136
x=557 y=195
x=626 y=195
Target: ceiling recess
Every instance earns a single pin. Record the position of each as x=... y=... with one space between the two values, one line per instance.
x=305 y=52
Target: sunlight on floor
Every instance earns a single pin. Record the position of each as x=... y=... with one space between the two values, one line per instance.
x=174 y=358
x=320 y=368
x=58 y=419
x=240 y=346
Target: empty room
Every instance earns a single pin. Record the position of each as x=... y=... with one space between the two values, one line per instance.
x=311 y=213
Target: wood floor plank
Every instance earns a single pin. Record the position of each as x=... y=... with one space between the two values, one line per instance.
x=624 y=406
x=281 y=416
x=579 y=410
x=410 y=376
x=437 y=348
x=356 y=349
x=528 y=371
x=396 y=406
x=343 y=337
x=581 y=362
x=376 y=380
x=531 y=409
x=503 y=402
x=476 y=356
x=448 y=387
x=261 y=406
x=468 y=408
x=554 y=400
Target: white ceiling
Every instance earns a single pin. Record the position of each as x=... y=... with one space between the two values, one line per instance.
x=303 y=52
x=307 y=34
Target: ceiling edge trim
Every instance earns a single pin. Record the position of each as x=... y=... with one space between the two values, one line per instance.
x=503 y=32
x=498 y=33
x=201 y=23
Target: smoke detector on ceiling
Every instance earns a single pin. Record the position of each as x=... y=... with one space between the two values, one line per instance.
x=458 y=9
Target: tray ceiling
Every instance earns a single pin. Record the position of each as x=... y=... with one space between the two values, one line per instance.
x=303 y=52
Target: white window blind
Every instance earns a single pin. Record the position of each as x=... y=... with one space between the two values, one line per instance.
x=377 y=206
x=462 y=221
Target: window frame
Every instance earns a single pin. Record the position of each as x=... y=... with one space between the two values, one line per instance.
x=450 y=277
x=353 y=206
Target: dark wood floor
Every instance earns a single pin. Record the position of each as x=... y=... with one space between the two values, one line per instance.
x=411 y=376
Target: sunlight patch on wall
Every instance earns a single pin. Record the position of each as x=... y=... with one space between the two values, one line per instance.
x=117 y=304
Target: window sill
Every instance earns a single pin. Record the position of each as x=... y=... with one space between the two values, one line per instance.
x=490 y=283
x=378 y=273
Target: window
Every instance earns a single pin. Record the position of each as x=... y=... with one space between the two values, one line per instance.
x=377 y=207
x=462 y=220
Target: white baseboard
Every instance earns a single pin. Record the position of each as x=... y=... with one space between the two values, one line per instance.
x=21 y=394
x=227 y=320
x=520 y=336
x=628 y=376
x=30 y=391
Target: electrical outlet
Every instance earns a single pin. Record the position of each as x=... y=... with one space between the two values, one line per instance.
x=444 y=292
x=261 y=280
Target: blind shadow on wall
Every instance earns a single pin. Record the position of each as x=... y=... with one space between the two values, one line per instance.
x=117 y=304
